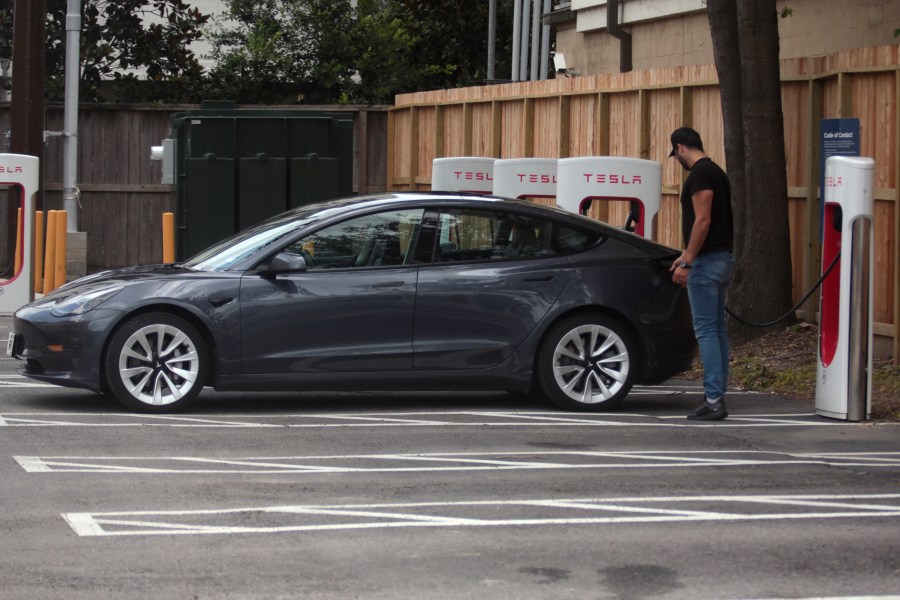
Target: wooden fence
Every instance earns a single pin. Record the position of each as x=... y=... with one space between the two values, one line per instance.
x=122 y=199
x=632 y=114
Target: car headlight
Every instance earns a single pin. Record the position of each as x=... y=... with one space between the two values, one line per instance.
x=81 y=303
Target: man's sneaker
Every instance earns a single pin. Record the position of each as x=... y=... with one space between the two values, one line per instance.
x=709 y=412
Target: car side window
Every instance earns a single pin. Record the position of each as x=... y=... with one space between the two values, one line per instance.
x=465 y=234
x=378 y=240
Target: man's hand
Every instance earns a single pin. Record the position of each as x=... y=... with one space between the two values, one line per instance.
x=679 y=273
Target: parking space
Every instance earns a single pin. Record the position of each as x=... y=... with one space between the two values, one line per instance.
x=444 y=462
x=515 y=513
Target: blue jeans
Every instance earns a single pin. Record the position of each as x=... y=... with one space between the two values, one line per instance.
x=707 y=286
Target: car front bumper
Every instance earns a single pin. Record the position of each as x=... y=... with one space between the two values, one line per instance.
x=66 y=351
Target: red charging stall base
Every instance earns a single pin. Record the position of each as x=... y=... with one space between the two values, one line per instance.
x=20 y=172
x=585 y=179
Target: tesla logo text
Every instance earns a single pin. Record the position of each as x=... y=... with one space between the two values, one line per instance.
x=536 y=178
x=473 y=175
x=17 y=169
x=831 y=181
x=611 y=178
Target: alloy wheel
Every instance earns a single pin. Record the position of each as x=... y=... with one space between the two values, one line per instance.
x=591 y=364
x=159 y=364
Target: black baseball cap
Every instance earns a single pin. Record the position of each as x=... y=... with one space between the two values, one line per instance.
x=686 y=137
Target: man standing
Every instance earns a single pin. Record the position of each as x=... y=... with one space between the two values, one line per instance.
x=706 y=265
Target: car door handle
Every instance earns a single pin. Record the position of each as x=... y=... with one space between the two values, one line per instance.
x=388 y=284
x=536 y=279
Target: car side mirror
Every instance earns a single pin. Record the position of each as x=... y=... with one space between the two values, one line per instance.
x=284 y=262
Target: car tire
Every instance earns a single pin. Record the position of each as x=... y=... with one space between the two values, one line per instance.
x=156 y=362
x=588 y=363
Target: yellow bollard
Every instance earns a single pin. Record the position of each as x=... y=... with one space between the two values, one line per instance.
x=38 y=252
x=18 y=259
x=50 y=254
x=59 y=277
x=168 y=237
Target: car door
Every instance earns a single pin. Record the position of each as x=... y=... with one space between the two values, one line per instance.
x=492 y=277
x=351 y=310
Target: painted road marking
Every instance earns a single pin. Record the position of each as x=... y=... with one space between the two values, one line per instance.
x=516 y=513
x=20 y=381
x=893 y=597
x=462 y=418
x=440 y=462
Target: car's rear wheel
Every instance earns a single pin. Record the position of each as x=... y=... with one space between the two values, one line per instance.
x=156 y=362
x=587 y=362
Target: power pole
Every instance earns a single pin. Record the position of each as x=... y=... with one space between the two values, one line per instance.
x=27 y=107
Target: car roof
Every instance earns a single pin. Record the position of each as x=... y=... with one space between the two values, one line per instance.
x=435 y=198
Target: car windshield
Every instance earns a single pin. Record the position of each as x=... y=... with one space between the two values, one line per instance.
x=244 y=244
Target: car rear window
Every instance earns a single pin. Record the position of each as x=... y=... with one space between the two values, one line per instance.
x=472 y=234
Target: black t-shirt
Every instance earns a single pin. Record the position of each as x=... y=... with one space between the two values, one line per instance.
x=707 y=175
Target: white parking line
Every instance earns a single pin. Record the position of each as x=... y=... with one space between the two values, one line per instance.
x=893 y=597
x=442 y=462
x=20 y=381
x=403 y=419
x=518 y=513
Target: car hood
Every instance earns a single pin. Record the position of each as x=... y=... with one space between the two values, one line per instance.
x=122 y=276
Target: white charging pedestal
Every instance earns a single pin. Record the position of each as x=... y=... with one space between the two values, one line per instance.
x=584 y=179
x=463 y=174
x=19 y=173
x=525 y=177
x=843 y=378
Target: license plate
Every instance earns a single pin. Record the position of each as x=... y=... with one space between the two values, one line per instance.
x=11 y=344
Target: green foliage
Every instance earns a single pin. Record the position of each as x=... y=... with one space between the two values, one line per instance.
x=121 y=38
x=6 y=28
x=326 y=51
x=273 y=51
x=131 y=50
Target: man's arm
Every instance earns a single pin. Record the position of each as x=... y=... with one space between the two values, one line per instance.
x=702 y=201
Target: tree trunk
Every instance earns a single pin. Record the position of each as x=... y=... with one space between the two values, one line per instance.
x=745 y=41
x=723 y=27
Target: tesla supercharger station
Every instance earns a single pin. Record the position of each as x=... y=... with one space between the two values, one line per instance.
x=843 y=378
x=19 y=175
x=525 y=177
x=588 y=178
x=463 y=174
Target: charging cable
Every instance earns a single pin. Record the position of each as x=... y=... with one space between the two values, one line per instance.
x=796 y=306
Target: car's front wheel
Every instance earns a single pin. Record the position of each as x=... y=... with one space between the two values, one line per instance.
x=587 y=362
x=156 y=362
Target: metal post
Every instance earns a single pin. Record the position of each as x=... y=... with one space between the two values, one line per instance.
x=70 y=135
x=517 y=38
x=545 y=41
x=859 y=334
x=492 y=39
x=523 y=49
x=535 y=37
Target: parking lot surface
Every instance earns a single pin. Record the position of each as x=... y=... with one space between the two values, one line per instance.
x=440 y=495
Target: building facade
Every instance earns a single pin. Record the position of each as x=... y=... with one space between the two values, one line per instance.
x=670 y=33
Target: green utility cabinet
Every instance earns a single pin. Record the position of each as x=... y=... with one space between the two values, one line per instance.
x=237 y=167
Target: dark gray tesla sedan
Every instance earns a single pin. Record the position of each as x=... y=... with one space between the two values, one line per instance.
x=411 y=291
